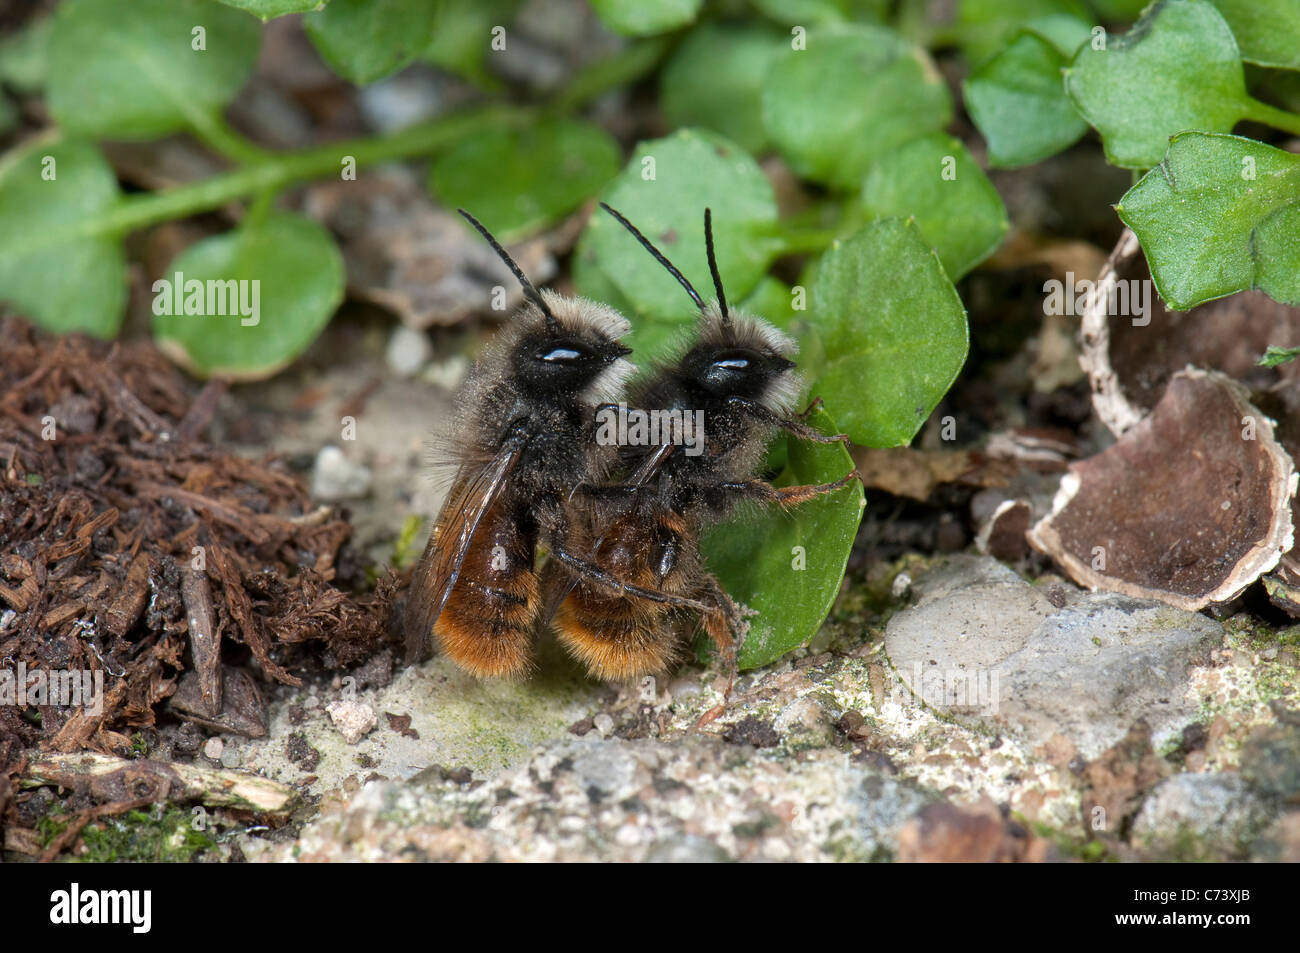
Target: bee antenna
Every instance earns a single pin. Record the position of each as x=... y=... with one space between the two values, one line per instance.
x=530 y=291
x=658 y=255
x=713 y=265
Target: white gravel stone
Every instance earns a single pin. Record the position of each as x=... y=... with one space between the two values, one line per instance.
x=353 y=719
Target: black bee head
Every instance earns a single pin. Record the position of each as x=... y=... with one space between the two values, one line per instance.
x=735 y=371
x=578 y=354
x=739 y=356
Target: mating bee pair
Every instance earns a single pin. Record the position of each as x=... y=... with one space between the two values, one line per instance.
x=625 y=585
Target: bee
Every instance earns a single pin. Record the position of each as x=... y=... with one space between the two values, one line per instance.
x=740 y=373
x=522 y=441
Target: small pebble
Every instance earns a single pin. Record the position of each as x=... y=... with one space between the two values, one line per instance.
x=334 y=477
x=604 y=724
x=213 y=748
x=353 y=719
x=647 y=691
x=408 y=351
x=230 y=758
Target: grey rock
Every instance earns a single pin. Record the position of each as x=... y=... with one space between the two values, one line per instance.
x=1200 y=817
x=984 y=646
x=606 y=770
x=686 y=849
x=1270 y=760
x=606 y=799
x=805 y=723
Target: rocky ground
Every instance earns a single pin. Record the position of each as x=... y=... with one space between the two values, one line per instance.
x=949 y=709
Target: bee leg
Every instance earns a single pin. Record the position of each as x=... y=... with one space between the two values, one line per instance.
x=597 y=576
x=789 y=424
x=725 y=624
x=786 y=496
x=815 y=405
x=794 y=495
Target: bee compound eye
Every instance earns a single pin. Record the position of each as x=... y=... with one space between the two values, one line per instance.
x=560 y=355
x=732 y=364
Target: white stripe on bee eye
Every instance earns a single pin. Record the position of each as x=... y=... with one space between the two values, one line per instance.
x=561 y=354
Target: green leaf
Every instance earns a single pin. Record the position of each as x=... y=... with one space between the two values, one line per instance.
x=755 y=558
x=714 y=79
x=855 y=94
x=366 y=40
x=771 y=299
x=985 y=26
x=130 y=70
x=462 y=37
x=23 y=56
x=1219 y=215
x=1114 y=10
x=299 y=275
x=894 y=331
x=1276 y=356
x=809 y=12
x=936 y=180
x=1267 y=31
x=1177 y=70
x=1017 y=100
x=269 y=9
x=68 y=283
x=646 y=17
x=692 y=169
x=519 y=180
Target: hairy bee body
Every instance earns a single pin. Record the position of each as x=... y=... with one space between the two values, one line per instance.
x=739 y=374
x=617 y=636
x=486 y=626
x=520 y=440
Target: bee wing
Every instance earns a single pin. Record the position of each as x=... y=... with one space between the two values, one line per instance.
x=563 y=581
x=469 y=499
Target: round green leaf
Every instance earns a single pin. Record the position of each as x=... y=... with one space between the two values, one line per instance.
x=854 y=94
x=714 y=78
x=663 y=190
x=806 y=12
x=50 y=269
x=985 y=26
x=1218 y=216
x=519 y=180
x=1178 y=69
x=462 y=38
x=366 y=40
x=936 y=180
x=1017 y=100
x=894 y=331
x=646 y=17
x=24 y=56
x=131 y=70
x=773 y=300
x=787 y=566
x=1267 y=31
x=1113 y=11
x=299 y=283
x=269 y=9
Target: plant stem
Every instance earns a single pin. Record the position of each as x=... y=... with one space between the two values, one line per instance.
x=216 y=134
x=279 y=170
x=265 y=172
x=1257 y=111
